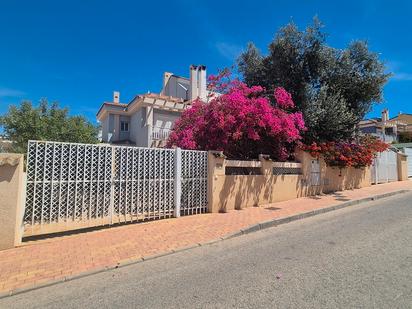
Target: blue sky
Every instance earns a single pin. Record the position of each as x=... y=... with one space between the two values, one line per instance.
x=78 y=52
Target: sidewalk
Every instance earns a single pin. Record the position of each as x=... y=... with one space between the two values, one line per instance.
x=41 y=261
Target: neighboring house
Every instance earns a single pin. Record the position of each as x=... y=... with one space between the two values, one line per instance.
x=387 y=129
x=404 y=122
x=147 y=120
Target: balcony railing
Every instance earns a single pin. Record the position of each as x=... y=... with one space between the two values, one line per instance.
x=160 y=134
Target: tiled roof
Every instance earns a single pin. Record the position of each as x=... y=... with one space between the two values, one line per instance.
x=123 y=105
x=167 y=99
x=115 y=104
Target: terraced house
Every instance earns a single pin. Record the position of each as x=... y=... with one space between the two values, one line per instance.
x=147 y=120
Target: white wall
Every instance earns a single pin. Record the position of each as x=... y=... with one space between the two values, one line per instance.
x=138 y=128
x=177 y=87
x=110 y=128
x=141 y=124
x=164 y=120
x=105 y=129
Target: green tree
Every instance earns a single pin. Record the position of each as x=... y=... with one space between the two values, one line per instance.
x=45 y=122
x=333 y=88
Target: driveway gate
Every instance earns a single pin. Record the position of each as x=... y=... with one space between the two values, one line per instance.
x=73 y=186
x=384 y=167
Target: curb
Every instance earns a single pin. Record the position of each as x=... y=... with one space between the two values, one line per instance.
x=251 y=229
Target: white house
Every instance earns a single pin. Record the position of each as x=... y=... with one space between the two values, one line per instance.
x=147 y=119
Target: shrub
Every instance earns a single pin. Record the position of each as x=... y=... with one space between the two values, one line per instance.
x=347 y=154
x=241 y=122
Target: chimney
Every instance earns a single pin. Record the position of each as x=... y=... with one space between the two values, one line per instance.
x=116 y=96
x=202 y=83
x=385 y=115
x=166 y=77
x=198 y=82
x=193 y=90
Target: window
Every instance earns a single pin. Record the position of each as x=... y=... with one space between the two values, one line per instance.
x=124 y=126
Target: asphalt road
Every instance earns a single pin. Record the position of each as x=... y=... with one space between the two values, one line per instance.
x=358 y=257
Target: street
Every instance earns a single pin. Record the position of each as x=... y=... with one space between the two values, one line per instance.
x=360 y=256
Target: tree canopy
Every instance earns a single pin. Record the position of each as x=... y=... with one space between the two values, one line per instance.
x=334 y=88
x=45 y=122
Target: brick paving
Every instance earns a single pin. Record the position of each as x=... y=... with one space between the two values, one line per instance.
x=40 y=261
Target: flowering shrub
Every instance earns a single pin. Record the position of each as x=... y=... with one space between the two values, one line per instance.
x=241 y=122
x=348 y=154
x=283 y=98
x=219 y=83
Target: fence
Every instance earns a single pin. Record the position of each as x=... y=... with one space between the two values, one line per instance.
x=76 y=185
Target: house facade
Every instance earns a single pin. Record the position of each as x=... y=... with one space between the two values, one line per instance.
x=386 y=128
x=404 y=122
x=147 y=120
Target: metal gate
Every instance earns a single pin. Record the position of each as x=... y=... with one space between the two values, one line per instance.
x=72 y=186
x=384 y=167
x=194 y=182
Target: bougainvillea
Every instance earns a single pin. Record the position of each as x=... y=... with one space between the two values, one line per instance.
x=348 y=154
x=283 y=98
x=240 y=122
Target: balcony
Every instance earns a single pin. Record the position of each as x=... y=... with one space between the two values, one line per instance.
x=160 y=134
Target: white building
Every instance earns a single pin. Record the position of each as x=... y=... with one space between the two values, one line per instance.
x=147 y=119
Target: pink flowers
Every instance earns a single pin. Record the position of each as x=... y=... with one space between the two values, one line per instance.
x=283 y=98
x=241 y=123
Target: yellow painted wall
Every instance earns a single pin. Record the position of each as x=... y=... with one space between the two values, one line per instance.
x=238 y=191
x=228 y=192
x=11 y=199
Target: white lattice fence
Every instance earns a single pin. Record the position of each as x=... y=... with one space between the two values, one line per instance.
x=76 y=185
x=194 y=182
x=143 y=183
x=67 y=181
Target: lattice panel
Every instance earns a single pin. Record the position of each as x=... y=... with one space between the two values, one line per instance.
x=79 y=183
x=194 y=182
x=143 y=183
x=287 y=170
x=67 y=182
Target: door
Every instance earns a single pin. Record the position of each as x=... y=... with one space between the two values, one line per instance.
x=315 y=173
x=392 y=165
x=384 y=168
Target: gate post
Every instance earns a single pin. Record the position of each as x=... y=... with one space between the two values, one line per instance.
x=11 y=200
x=112 y=176
x=178 y=181
x=402 y=166
x=216 y=168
